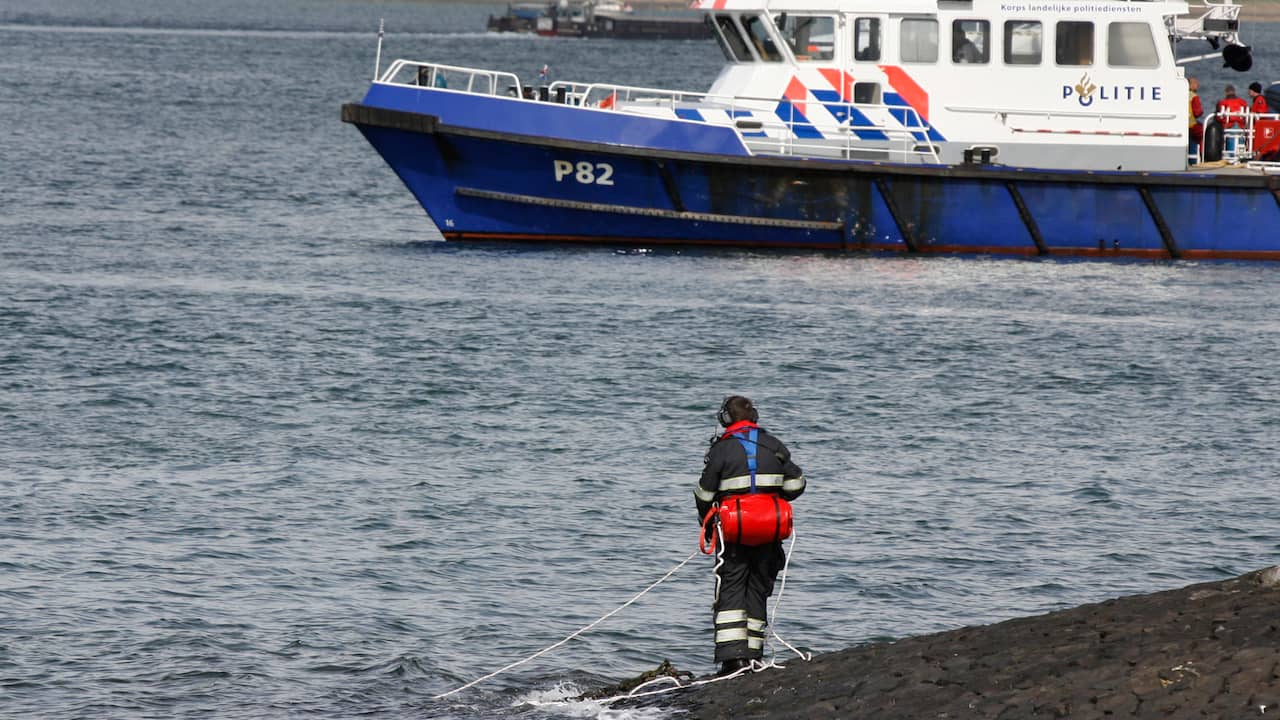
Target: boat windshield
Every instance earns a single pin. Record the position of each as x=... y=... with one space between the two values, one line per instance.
x=866 y=39
x=919 y=42
x=810 y=37
x=1023 y=42
x=1074 y=43
x=731 y=40
x=971 y=41
x=1129 y=44
x=761 y=39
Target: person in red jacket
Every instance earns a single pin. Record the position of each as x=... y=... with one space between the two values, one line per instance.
x=1257 y=101
x=1231 y=109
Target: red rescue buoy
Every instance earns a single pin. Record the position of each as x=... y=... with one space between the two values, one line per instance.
x=755 y=519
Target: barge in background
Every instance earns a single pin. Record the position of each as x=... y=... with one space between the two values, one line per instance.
x=918 y=126
x=603 y=20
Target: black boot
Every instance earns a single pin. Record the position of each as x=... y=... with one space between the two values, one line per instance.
x=729 y=667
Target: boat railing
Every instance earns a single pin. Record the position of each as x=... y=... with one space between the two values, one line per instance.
x=1004 y=113
x=1208 y=19
x=755 y=119
x=452 y=77
x=1238 y=140
x=608 y=96
x=906 y=139
x=761 y=130
x=1038 y=121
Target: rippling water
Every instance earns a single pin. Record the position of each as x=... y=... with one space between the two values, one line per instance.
x=270 y=450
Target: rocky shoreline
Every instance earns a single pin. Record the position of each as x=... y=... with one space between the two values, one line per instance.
x=1210 y=650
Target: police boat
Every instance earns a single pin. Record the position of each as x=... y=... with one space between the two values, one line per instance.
x=919 y=126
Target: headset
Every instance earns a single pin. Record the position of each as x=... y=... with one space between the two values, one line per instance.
x=725 y=416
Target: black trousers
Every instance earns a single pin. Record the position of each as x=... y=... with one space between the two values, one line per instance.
x=744 y=583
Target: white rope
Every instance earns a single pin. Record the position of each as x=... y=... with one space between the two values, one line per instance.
x=754 y=666
x=773 y=615
x=715 y=569
x=574 y=634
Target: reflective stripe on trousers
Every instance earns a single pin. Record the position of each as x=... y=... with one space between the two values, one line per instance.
x=734 y=626
x=731 y=626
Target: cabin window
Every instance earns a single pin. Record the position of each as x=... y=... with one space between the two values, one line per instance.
x=970 y=42
x=1023 y=42
x=811 y=37
x=866 y=93
x=866 y=39
x=919 y=41
x=758 y=32
x=731 y=42
x=1074 y=43
x=1129 y=44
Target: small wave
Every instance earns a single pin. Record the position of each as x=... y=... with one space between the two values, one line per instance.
x=506 y=37
x=197 y=675
x=1092 y=493
x=561 y=701
x=405 y=665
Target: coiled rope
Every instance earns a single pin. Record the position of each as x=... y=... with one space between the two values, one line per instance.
x=755 y=666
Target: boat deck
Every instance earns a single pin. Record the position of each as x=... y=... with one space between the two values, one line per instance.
x=1247 y=169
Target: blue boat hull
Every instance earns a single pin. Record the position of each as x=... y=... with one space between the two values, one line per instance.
x=485 y=183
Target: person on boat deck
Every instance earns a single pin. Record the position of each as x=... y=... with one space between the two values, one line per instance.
x=1257 y=101
x=1195 y=111
x=1231 y=109
x=745 y=573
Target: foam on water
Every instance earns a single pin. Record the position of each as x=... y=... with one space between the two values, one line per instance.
x=560 y=702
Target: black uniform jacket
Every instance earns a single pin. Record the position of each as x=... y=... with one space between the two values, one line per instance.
x=726 y=472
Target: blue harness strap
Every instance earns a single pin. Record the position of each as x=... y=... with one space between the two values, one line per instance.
x=749 y=444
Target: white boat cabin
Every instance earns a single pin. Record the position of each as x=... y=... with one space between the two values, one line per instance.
x=1070 y=84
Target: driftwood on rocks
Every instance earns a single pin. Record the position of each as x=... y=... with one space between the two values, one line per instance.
x=664 y=669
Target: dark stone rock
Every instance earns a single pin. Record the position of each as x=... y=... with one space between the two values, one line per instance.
x=1205 y=651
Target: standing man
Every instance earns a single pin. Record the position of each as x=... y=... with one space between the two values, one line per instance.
x=744 y=459
x=1257 y=102
x=1231 y=109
